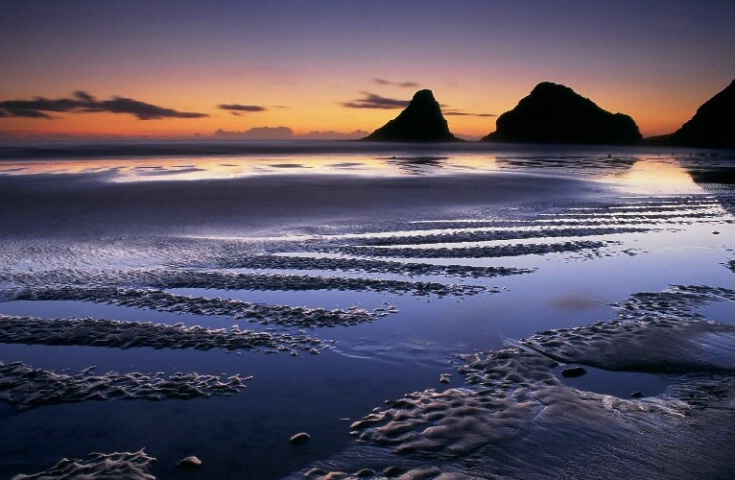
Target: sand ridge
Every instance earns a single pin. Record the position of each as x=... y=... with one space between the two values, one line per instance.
x=26 y=387
x=513 y=403
x=171 y=279
x=166 y=302
x=118 y=334
x=128 y=465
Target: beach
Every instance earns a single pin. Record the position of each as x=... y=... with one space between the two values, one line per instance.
x=414 y=312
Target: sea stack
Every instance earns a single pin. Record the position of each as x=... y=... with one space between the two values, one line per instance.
x=712 y=126
x=554 y=113
x=420 y=121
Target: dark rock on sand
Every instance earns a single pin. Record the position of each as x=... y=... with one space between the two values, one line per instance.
x=189 y=463
x=555 y=113
x=299 y=438
x=711 y=127
x=573 y=372
x=421 y=121
x=393 y=471
x=315 y=472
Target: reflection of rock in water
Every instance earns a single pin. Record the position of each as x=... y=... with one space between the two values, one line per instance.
x=517 y=420
x=417 y=165
x=717 y=180
x=130 y=466
x=602 y=163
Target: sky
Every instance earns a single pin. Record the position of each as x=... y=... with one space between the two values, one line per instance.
x=302 y=68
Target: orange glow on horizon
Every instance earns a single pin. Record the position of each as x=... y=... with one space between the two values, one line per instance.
x=323 y=111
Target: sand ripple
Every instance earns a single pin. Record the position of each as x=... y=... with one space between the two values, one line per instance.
x=27 y=387
x=515 y=414
x=476 y=252
x=117 y=334
x=166 y=302
x=131 y=466
x=168 y=279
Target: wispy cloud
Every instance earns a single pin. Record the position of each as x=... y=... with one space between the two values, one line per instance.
x=382 y=81
x=242 y=108
x=457 y=113
x=83 y=102
x=371 y=100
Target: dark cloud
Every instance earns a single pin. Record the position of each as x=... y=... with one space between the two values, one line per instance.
x=84 y=96
x=456 y=113
x=242 y=108
x=83 y=102
x=19 y=111
x=144 y=111
x=382 y=81
x=371 y=100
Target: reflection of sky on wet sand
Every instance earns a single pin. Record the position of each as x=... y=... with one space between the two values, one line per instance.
x=655 y=176
x=208 y=168
x=628 y=170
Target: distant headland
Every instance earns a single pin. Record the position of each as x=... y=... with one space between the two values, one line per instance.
x=556 y=114
x=712 y=126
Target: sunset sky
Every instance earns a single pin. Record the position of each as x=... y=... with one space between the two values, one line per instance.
x=184 y=67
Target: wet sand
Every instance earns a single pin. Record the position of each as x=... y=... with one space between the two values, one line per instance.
x=413 y=268
x=84 y=205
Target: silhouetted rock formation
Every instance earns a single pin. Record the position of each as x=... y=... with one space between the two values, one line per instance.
x=420 y=121
x=712 y=125
x=554 y=113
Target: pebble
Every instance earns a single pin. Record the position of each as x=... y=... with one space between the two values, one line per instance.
x=393 y=471
x=189 y=463
x=315 y=472
x=573 y=372
x=300 y=438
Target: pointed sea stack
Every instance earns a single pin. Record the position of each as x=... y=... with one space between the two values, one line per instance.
x=420 y=121
x=555 y=113
x=712 y=126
